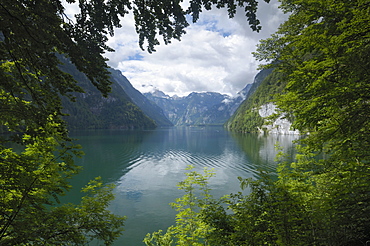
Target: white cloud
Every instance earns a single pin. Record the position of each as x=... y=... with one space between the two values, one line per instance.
x=214 y=55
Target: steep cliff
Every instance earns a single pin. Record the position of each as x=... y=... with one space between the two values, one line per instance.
x=149 y=108
x=278 y=125
x=93 y=111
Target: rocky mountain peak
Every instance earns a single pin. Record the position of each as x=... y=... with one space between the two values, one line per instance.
x=198 y=108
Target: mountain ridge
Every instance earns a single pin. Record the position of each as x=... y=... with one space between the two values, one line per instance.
x=151 y=109
x=90 y=110
x=198 y=108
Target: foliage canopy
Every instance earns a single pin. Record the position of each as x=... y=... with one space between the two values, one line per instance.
x=321 y=54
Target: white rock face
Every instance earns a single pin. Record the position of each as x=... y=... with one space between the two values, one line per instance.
x=280 y=125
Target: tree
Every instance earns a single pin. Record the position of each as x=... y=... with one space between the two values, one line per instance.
x=31 y=181
x=270 y=214
x=190 y=229
x=35 y=173
x=322 y=51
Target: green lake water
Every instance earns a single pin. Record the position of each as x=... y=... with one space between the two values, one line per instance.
x=147 y=165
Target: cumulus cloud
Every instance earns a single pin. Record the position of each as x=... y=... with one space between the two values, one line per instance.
x=214 y=55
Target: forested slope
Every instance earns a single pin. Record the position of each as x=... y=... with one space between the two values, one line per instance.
x=93 y=111
x=266 y=85
x=149 y=108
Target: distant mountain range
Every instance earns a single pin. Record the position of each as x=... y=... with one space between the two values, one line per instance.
x=205 y=108
x=127 y=108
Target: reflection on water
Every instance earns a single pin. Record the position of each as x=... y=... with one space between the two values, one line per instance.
x=147 y=165
x=262 y=150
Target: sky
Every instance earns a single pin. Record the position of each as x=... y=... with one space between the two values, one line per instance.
x=214 y=55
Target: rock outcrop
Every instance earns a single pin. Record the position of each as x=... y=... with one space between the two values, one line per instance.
x=279 y=125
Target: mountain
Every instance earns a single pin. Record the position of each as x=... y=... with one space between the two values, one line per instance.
x=206 y=108
x=93 y=111
x=223 y=111
x=149 y=108
x=254 y=114
x=246 y=118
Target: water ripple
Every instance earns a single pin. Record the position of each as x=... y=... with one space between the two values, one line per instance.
x=147 y=166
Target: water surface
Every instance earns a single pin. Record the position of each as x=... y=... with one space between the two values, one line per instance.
x=147 y=165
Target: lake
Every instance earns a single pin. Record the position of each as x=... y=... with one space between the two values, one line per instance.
x=146 y=166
